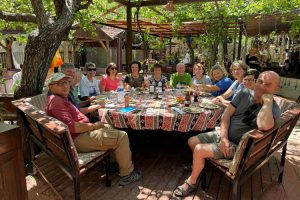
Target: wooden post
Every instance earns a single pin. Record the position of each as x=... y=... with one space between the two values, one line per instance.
x=128 y=37
x=240 y=39
x=119 y=55
x=234 y=43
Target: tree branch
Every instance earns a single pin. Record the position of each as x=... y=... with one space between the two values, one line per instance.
x=2 y=45
x=38 y=8
x=18 y=17
x=84 y=5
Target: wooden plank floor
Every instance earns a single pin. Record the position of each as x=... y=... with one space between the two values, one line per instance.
x=161 y=156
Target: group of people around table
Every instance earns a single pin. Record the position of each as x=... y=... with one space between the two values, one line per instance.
x=248 y=100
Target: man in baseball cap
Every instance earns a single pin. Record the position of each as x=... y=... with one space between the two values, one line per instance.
x=89 y=136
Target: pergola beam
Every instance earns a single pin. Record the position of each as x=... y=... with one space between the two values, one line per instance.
x=159 y=2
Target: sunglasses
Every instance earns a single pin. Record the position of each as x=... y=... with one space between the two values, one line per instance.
x=250 y=114
x=94 y=69
x=113 y=68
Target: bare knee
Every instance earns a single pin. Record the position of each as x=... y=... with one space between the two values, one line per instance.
x=192 y=142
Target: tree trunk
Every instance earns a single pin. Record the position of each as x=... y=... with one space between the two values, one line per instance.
x=39 y=51
x=214 y=52
x=192 y=53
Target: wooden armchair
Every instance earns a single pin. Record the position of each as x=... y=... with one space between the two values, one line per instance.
x=254 y=150
x=53 y=138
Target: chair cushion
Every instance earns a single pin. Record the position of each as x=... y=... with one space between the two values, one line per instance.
x=84 y=158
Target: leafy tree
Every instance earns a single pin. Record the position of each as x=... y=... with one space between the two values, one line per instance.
x=47 y=23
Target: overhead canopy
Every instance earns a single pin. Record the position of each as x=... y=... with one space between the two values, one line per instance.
x=164 y=29
x=102 y=33
x=265 y=24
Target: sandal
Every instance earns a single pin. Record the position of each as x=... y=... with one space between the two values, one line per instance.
x=180 y=192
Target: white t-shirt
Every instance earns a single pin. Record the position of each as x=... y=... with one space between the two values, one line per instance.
x=88 y=88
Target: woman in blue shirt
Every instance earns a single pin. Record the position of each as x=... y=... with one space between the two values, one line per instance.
x=237 y=69
x=220 y=81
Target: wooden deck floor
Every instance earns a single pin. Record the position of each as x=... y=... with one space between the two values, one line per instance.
x=161 y=156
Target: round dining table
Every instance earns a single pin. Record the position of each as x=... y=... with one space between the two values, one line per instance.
x=147 y=112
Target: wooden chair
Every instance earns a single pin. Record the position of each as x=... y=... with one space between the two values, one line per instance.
x=254 y=150
x=54 y=139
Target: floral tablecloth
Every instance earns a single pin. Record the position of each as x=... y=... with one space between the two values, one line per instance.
x=158 y=114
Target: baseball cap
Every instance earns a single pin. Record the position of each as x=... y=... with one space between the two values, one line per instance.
x=57 y=77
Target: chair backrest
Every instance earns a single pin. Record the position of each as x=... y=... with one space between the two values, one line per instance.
x=49 y=134
x=263 y=144
x=255 y=146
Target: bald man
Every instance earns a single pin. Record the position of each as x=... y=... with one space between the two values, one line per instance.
x=247 y=111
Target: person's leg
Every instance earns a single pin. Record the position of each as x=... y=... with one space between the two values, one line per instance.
x=201 y=152
x=193 y=141
x=205 y=145
x=105 y=139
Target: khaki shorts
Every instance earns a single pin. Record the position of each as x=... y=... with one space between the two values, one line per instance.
x=213 y=138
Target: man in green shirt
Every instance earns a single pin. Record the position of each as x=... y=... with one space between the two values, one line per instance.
x=180 y=78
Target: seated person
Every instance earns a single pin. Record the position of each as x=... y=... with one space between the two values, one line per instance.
x=88 y=136
x=134 y=79
x=110 y=81
x=180 y=78
x=75 y=74
x=247 y=111
x=158 y=77
x=252 y=59
x=237 y=69
x=89 y=85
x=250 y=77
x=199 y=75
x=220 y=81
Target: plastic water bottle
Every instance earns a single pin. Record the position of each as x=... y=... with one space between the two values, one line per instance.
x=159 y=86
x=120 y=92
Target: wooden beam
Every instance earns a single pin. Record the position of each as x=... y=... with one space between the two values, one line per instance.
x=128 y=37
x=103 y=45
x=163 y=2
x=112 y=10
x=123 y=2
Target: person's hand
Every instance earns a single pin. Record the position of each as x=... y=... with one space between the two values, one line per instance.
x=225 y=147
x=98 y=125
x=267 y=98
x=91 y=99
x=216 y=100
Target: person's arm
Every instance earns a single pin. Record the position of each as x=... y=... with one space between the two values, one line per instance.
x=225 y=122
x=209 y=88
x=85 y=127
x=102 y=85
x=265 y=120
x=89 y=109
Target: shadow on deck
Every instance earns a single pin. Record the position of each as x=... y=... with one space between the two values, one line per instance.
x=161 y=156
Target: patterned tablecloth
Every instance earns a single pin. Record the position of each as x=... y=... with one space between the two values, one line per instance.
x=158 y=114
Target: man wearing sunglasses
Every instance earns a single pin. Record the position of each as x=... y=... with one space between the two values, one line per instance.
x=89 y=136
x=249 y=109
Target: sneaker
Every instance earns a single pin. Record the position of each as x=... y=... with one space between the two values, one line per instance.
x=132 y=177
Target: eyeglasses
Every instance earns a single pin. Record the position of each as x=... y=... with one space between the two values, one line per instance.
x=113 y=68
x=250 y=114
x=94 y=69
